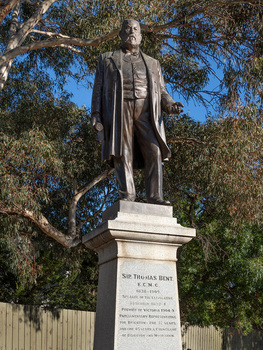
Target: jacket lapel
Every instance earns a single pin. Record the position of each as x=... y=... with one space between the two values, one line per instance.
x=116 y=57
x=149 y=66
x=148 y=61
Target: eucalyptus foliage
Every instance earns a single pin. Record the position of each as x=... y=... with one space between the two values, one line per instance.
x=215 y=182
x=51 y=189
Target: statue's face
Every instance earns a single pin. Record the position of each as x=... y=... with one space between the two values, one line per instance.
x=130 y=34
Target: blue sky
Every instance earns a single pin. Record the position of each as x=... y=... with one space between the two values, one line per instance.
x=82 y=96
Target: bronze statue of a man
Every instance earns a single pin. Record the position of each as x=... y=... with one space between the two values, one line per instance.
x=128 y=98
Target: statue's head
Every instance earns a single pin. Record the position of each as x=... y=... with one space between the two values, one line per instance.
x=130 y=34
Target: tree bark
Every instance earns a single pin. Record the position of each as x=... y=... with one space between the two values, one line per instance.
x=67 y=240
x=42 y=223
x=14 y=47
x=72 y=222
x=17 y=36
x=6 y=8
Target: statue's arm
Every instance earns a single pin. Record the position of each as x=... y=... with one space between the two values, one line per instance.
x=96 y=102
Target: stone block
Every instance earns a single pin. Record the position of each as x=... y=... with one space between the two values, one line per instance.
x=137 y=305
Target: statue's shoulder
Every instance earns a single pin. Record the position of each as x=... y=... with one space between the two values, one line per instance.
x=150 y=60
x=148 y=57
x=108 y=54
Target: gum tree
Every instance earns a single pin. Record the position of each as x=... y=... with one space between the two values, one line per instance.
x=51 y=189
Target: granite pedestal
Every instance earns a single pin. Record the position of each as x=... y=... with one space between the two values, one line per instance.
x=137 y=306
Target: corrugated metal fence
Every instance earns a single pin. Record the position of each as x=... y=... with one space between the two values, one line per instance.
x=33 y=328
x=206 y=338
x=212 y=338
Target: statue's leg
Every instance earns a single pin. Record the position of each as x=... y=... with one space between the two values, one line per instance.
x=151 y=152
x=124 y=165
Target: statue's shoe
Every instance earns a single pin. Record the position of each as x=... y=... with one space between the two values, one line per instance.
x=158 y=201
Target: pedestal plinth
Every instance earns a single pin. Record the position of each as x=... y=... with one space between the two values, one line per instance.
x=137 y=305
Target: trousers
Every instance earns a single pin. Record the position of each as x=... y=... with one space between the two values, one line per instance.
x=137 y=122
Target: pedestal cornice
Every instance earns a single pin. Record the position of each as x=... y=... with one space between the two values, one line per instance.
x=137 y=229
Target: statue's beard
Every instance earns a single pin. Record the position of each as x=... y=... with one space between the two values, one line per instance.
x=131 y=42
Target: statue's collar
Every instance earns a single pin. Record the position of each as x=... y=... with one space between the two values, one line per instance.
x=128 y=52
x=116 y=57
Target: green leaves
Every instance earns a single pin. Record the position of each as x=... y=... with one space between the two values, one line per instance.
x=214 y=180
x=27 y=163
x=48 y=152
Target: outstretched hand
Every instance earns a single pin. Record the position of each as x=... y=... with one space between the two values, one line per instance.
x=176 y=108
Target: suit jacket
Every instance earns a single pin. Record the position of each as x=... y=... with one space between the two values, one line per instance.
x=107 y=100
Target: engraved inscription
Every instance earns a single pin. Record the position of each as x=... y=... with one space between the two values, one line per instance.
x=148 y=305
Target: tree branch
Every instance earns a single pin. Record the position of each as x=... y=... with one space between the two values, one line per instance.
x=18 y=36
x=198 y=10
x=14 y=48
x=191 y=140
x=74 y=201
x=14 y=22
x=6 y=8
x=28 y=26
x=35 y=18
x=5 y=68
x=11 y=54
x=50 y=34
x=70 y=240
x=42 y=223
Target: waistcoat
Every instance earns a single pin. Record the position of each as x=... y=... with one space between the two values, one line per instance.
x=135 y=82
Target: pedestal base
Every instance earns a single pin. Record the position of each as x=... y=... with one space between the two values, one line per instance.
x=137 y=306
